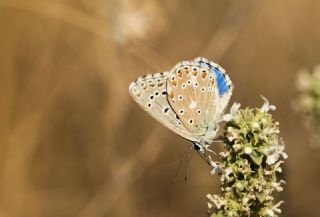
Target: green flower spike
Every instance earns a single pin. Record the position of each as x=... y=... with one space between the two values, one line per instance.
x=250 y=164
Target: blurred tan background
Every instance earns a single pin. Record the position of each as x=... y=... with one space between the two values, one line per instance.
x=73 y=142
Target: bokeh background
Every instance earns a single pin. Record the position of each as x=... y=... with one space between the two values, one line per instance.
x=73 y=142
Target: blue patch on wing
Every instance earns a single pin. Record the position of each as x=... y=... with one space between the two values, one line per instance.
x=221 y=80
x=223 y=86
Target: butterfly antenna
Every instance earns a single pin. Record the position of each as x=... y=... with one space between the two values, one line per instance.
x=185 y=156
x=188 y=162
x=179 y=167
x=187 y=171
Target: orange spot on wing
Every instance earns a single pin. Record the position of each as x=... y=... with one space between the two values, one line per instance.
x=171 y=95
x=174 y=83
x=184 y=71
x=204 y=74
x=195 y=73
x=160 y=84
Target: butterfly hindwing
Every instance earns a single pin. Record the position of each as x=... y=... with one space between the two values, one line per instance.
x=150 y=93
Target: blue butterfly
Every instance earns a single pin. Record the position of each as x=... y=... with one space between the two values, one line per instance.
x=190 y=99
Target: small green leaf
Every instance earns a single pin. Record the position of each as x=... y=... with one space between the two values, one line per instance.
x=256 y=158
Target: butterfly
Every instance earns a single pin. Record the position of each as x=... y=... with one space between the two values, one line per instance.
x=190 y=99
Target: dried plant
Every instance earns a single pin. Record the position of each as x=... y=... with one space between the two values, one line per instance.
x=308 y=102
x=137 y=20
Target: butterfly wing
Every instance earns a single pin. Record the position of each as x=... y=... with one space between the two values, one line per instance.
x=223 y=84
x=150 y=93
x=198 y=92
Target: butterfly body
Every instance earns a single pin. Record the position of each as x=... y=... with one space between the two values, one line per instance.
x=189 y=99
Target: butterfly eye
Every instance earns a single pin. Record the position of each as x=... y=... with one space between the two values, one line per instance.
x=196 y=147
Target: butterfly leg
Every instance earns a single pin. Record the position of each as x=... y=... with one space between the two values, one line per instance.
x=206 y=147
x=202 y=148
x=218 y=139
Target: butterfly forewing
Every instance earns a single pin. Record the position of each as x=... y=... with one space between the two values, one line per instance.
x=150 y=93
x=198 y=91
x=193 y=96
